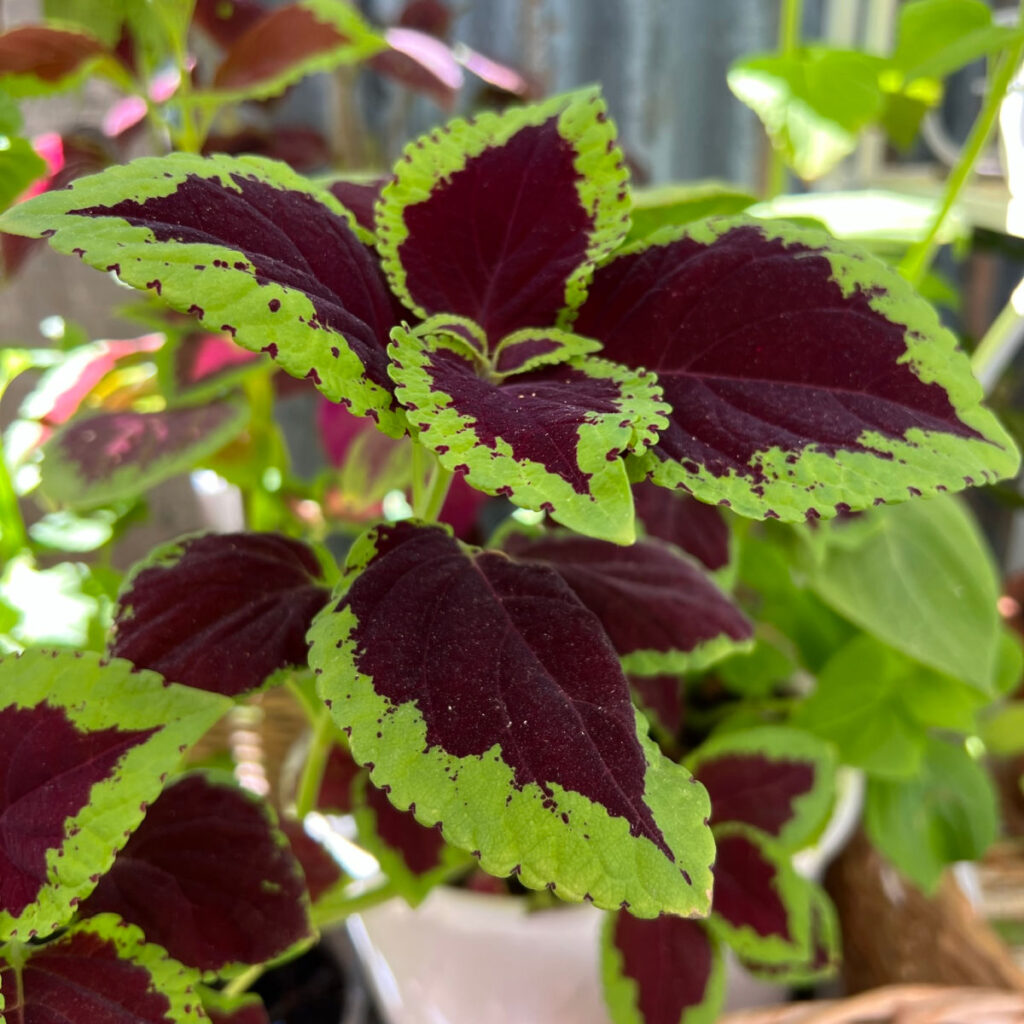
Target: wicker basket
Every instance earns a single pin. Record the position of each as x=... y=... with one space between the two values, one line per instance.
x=898 y=1004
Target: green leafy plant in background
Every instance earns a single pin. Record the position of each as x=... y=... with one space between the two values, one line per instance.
x=654 y=666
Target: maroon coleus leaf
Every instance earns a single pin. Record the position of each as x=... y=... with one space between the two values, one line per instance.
x=101 y=972
x=419 y=848
x=762 y=907
x=673 y=516
x=660 y=611
x=322 y=307
x=662 y=971
x=778 y=780
x=320 y=870
x=359 y=198
x=226 y=21
x=100 y=458
x=303 y=149
x=431 y=16
x=48 y=766
x=822 y=956
x=420 y=62
x=803 y=377
x=336 y=794
x=499 y=224
x=522 y=695
x=176 y=880
x=662 y=697
x=220 y=612
x=272 y=44
x=85 y=745
x=550 y=438
x=49 y=54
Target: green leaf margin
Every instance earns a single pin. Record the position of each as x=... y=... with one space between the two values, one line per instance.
x=99 y=694
x=484 y=812
x=938 y=461
x=603 y=190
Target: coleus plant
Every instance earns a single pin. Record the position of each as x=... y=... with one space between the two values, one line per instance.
x=491 y=311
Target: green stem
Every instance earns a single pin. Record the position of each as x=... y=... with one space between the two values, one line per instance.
x=316 y=761
x=1001 y=340
x=427 y=506
x=237 y=985
x=13 y=535
x=919 y=257
x=332 y=911
x=790 y=17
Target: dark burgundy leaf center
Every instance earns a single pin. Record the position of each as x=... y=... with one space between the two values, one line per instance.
x=538 y=414
x=515 y=661
x=497 y=240
x=670 y=959
x=745 y=892
x=82 y=978
x=420 y=848
x=756 y=790
x=47 y=769
x=101 y=445
x=757 y=347
x=290 y=239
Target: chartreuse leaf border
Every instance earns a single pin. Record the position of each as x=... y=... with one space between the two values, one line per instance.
x=621 y=992
x=607 y=511
x=925 y=463
x=602 y=188
x=795 y=893
x=648 y=662
x=507 y=827
x=829 y=939
x=177 y=983
x=226 y=294
x=411 y=887
x=61 y=481
x=781 y=743
x=100 y=694
x=361 y=42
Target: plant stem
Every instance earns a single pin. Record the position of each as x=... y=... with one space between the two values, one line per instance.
x=237 y=985
x=316 y=761
x=13 y=535
x=428 y=504
x=919 y=257
x=1001 y=341
x=331 y=912
x=790 y=17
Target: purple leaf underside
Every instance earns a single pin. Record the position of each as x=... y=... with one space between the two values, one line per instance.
x=179 y=881
x=47 y=768
x=99 y=446
x=289 y=239
x=517 y=661
x=755 y=790
x=756 y=347
x=80 y=978
x=646 y=596
x=670 y=958
x=497 y=240
x=672 y=516
x=223 y=613
x=273 y=44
